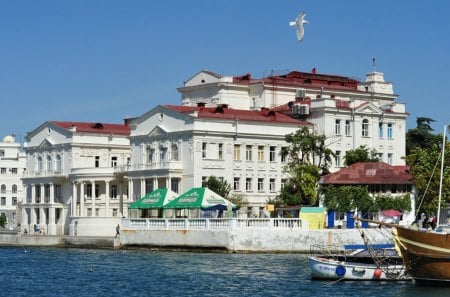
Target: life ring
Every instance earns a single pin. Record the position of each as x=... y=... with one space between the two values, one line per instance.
x=377 y=273
x=340 y=271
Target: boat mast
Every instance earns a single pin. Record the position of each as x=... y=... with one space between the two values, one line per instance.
x=441 y=178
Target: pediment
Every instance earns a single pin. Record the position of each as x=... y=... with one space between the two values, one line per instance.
x=203 y=77
x=369 y=108
x=157 y=131
x=46 y=143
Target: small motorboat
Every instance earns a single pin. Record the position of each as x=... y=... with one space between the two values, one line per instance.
x=363 y=263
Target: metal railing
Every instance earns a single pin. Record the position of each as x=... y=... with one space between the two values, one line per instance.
x=210 y=224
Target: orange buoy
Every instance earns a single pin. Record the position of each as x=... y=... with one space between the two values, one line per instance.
x=377 y=273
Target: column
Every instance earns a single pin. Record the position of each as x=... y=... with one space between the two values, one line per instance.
x=74 y=200
x=33 y=219
x=51 y=221
x=52 y=193
x=120 y=190
x=155 y=182
x=82 y=211
x=168 y=183
x=33 y=193
x=93 y=199
x=107 y=213
x=142 y=188
x=130 y=189
x=24 y=223
x=42 y=200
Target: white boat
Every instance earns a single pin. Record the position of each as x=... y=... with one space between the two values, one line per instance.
x=361 y=264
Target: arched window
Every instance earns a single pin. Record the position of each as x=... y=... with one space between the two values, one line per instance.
x=58 y=163
x=39 y=164
x=3 y=189
x=175 y=156
x=365 y=128
x=14 y=189
x=49 y=164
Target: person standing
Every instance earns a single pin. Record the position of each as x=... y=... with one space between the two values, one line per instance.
x=118 y=230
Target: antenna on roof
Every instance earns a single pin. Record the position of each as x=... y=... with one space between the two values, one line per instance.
x=373 y=64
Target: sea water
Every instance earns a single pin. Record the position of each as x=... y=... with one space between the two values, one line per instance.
x=26 y=271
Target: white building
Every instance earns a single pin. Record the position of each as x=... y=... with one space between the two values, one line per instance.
x=12 y=166
x=75 y=180
x=349 y=112
x=178 y=147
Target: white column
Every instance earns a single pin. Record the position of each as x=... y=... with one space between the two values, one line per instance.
x=24 y=223
x=51 y=221
x=52 y=193
x=168 y=183
x=120 y=190
x=82 y=211
x=74 y=200
x=142 y=188
x=107 y=212
x=93 y=199
x=155 y=182
x=130 y=189
x=42 y=200
x=33 y=193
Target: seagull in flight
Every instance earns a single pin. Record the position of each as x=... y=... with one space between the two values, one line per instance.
x=299 y=21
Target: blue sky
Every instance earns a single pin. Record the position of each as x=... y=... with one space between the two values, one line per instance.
x=102 y=61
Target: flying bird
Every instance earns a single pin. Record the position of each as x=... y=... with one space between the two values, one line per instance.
x=299 y=21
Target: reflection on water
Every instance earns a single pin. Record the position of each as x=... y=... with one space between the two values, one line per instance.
x=80 y=272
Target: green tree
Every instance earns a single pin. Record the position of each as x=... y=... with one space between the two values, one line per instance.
x=421 y=136
x=308 y=159
x=360 y=154
x=221 y=187
x=2 y=220
x=345 y=198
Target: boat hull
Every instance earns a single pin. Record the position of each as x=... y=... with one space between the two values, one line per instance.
x=426 y=254
x=324 y=268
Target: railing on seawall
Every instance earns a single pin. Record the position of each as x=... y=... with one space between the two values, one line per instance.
x=211 y=224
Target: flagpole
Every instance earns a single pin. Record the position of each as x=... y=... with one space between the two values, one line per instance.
x=441 y=178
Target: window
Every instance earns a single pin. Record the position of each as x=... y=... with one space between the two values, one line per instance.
x=248 y=153
x=204 y=150
x=49 y=164
x=174 y=150
x=113 y=162
x=283 y=183
x=380 y=157
x=260 y=153
x=114 y=212
x=149 y=185
x=3 y=201
x=204 y=179
x=3 y=170
x=248 y=184
x=260 y=184
x=337 y=159
x=2 y=153
x=272 y=185
x=337 y=127
x=89 y=190
x=348 y=128
x=237 y=184
x=97 y=161
x=365 y=128
x=380 y=130
x=175 y=184
x=220 y=155
x=162 y=155
x=14 y=189
x=14 y=170
x=46 y=191
x=3 y=189
x=237 y=152
x=58 y=163
x=284 y=154
x=151 y=156
x=57 y=191
x=40 y=165
x=272 y=154
x=389 y=158
x=14 y=201
x=389 y=130
x=113 y=191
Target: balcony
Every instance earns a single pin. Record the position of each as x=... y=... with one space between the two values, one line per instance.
x=169 y=165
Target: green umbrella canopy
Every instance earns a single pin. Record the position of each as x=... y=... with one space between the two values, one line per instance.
x=198 y=198
x=153 y=200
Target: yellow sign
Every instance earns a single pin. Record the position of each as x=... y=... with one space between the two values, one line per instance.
x=270 y=207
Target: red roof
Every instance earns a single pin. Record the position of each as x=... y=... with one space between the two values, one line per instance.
x=99 y=128
x=371 y=173
x=225 y=113
x=304 y=79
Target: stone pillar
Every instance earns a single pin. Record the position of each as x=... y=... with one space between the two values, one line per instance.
x=120 y=190
x=142 y=189
x=130 y=190
x=93 y=199
x=155 y=182
x=33 y=219
x=52 y=193
x=42 y=200
x=25 y=219
x=168 y=183
x=51 y=221
x=33 y=193
x=74 y=200
x=107 y=212
x=82 y=211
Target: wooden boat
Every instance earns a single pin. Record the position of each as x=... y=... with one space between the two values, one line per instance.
x=362 y=264
x=426 y=253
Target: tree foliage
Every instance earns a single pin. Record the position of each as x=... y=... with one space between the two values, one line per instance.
x=308 y=159
x=3 y=220
x=360 y=154
x=421 y=136
x=345 y=198
x=221 y=187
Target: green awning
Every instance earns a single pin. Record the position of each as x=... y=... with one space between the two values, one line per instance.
x=199 y=198
x=154 y=200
